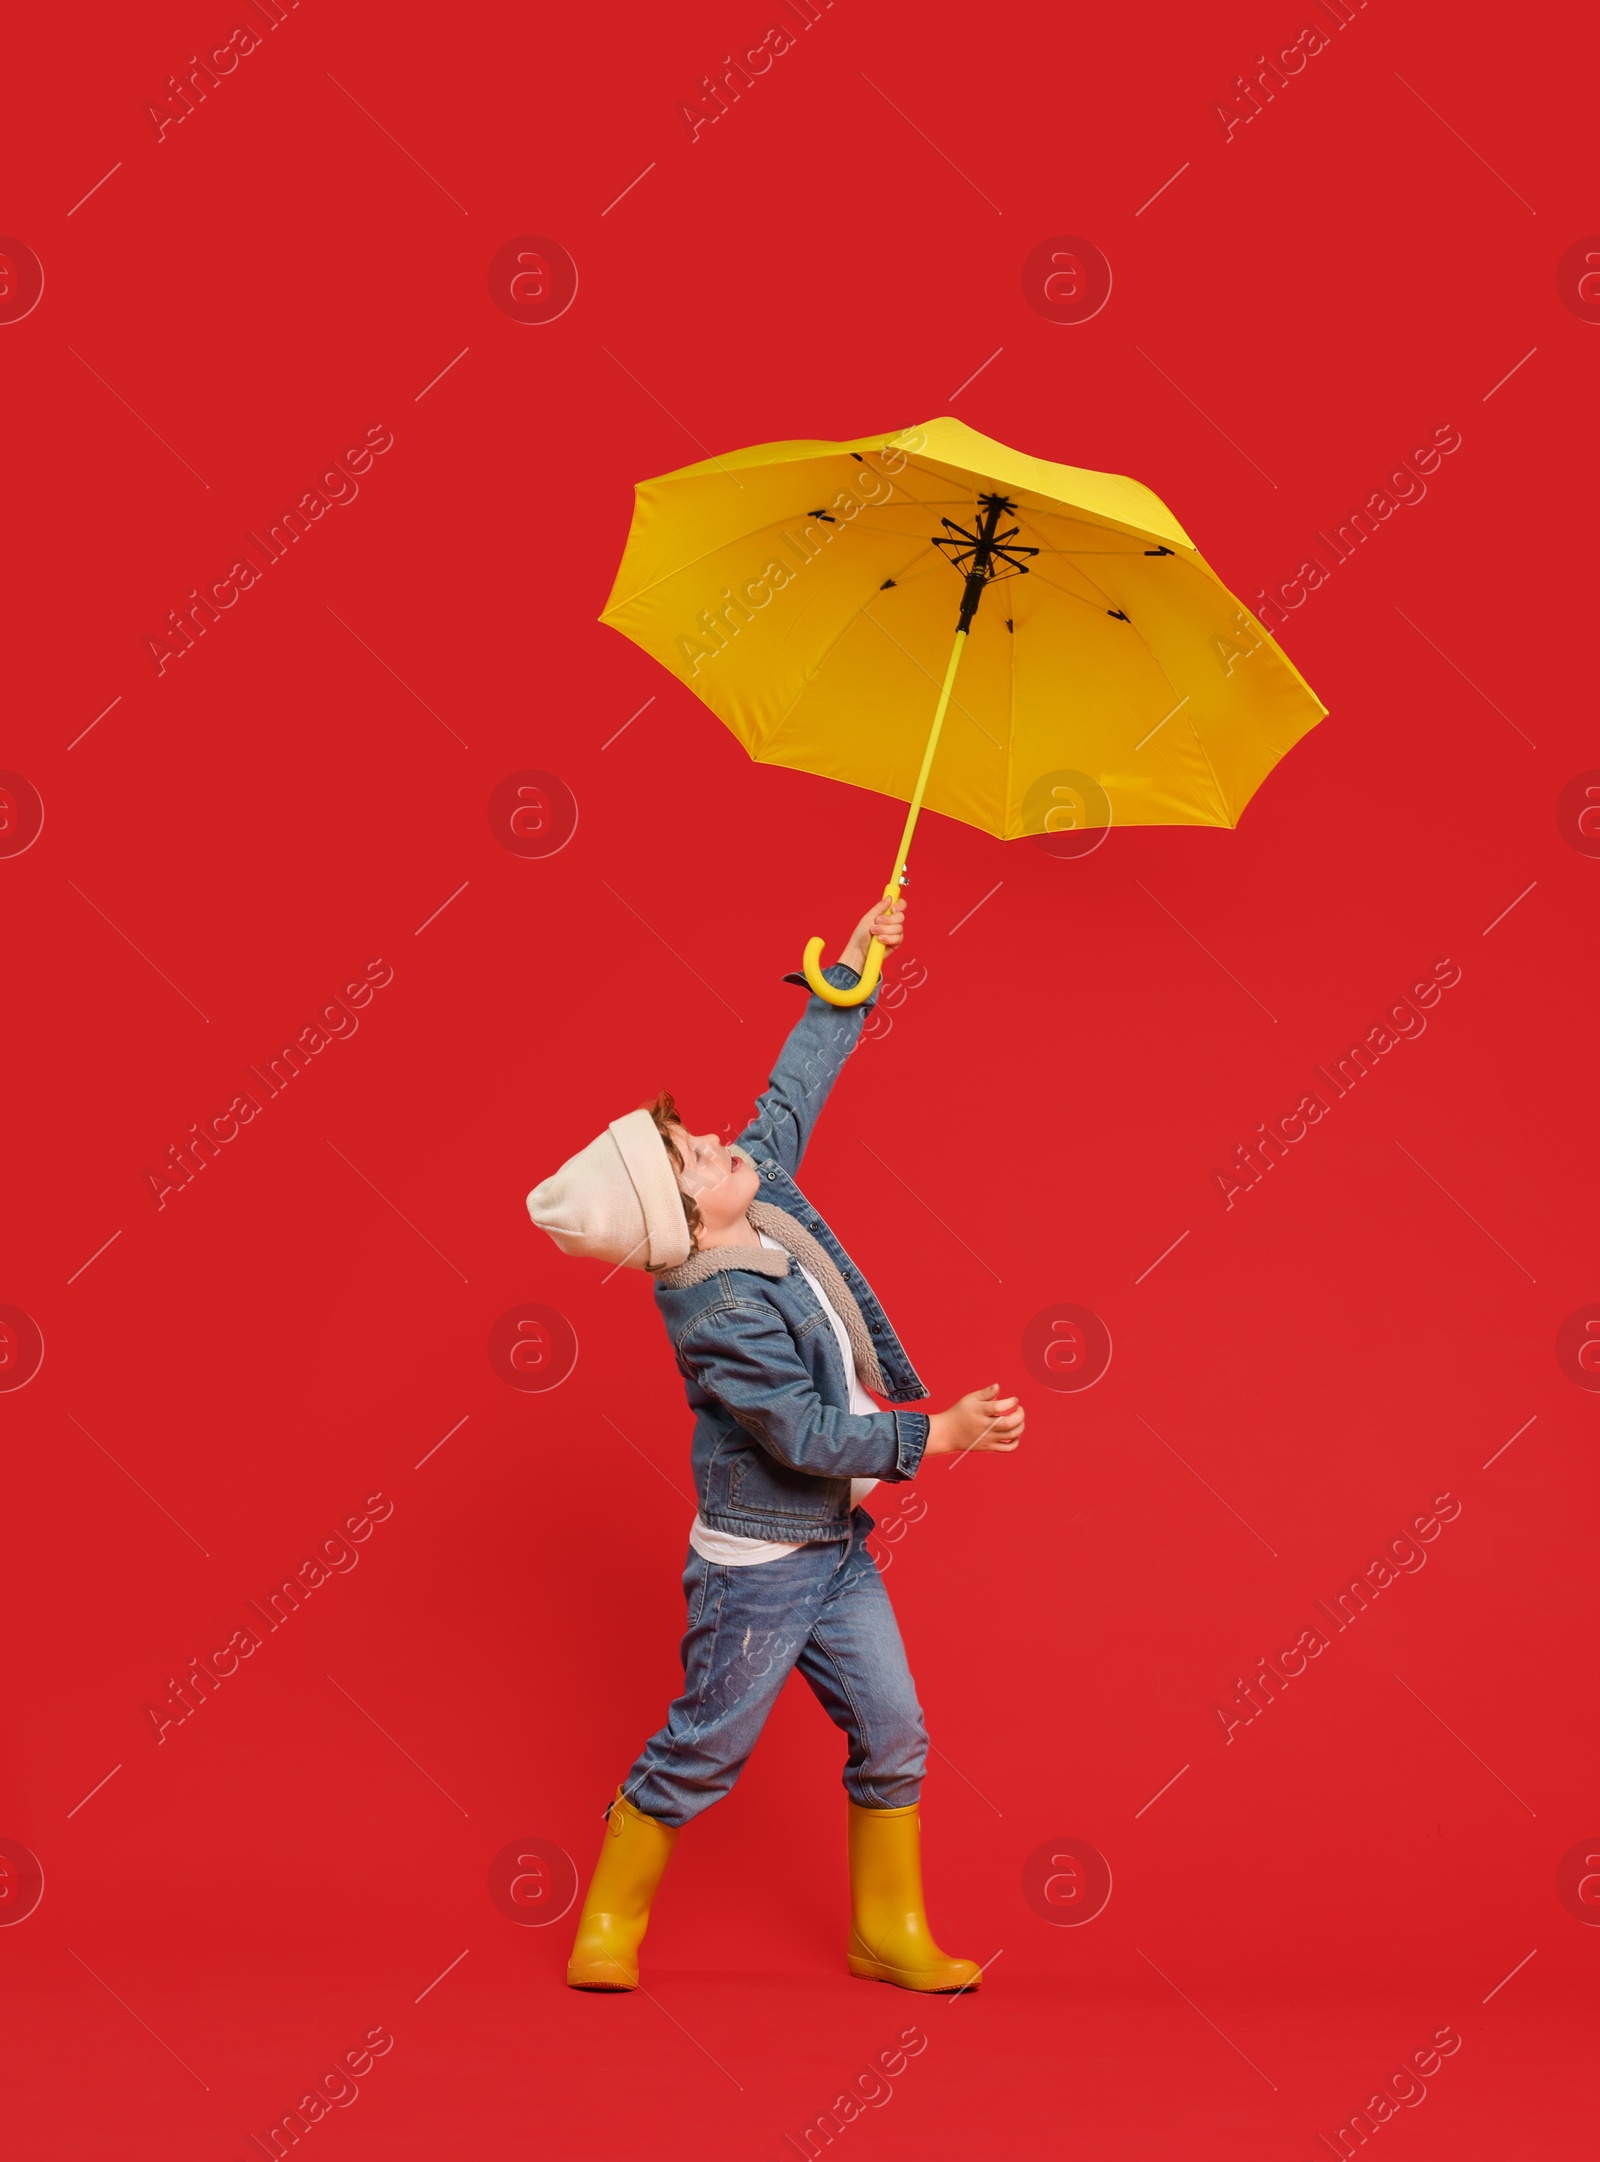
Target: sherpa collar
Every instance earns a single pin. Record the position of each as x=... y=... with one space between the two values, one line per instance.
x=780 y=1226
x=713 y=1258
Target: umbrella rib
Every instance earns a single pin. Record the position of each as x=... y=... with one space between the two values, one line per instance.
x=865 y=612
x=758 y=532
x=908 y=574
x=761 y=531
x=1183 y=698
x=1067 y=593
x=1116 y=525
x=775 y=525
x=867 y=616
x=879 y=527
x=808 y=679
x=1199 y=740
x=929 y=502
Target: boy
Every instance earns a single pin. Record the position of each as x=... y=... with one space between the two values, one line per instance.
x=775 y=1332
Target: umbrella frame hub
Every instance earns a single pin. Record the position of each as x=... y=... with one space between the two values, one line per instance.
x=982 y=552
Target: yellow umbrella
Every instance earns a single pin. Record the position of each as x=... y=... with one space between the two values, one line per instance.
x=808 y=592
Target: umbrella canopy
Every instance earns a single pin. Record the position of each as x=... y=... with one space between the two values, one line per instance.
x=808 y=593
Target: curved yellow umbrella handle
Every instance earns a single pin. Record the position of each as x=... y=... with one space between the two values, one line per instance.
x=875 y=947
x=872 y=969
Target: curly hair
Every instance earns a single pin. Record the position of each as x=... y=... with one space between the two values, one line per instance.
x=664 y=1112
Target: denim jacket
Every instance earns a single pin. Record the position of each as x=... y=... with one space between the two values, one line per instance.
x=775 y=1444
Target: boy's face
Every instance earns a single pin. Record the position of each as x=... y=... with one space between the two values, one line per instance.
x=721 y=1181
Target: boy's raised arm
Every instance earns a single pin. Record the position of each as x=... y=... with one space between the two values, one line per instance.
x=817 y=1046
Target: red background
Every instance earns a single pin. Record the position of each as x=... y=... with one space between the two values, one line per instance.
x=1298 y=310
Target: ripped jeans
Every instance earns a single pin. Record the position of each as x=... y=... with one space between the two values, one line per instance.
x=822 y=1609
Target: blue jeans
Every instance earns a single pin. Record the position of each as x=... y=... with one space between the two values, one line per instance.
x=823 y=1610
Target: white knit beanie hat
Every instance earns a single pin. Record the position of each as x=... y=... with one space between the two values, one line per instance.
x=617 y=1200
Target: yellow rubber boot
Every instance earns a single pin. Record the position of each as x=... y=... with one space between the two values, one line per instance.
x=890 y=1940
x=616 y=1912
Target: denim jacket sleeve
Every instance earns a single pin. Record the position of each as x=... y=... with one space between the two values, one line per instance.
x=808 y=1065
x=744 y=1356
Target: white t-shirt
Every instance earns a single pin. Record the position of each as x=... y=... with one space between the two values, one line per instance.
x=731 y=1548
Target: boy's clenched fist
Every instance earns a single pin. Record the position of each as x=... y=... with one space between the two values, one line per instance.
x=983 y=1419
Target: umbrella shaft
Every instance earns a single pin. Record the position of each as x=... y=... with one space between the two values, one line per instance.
x=891 y=892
